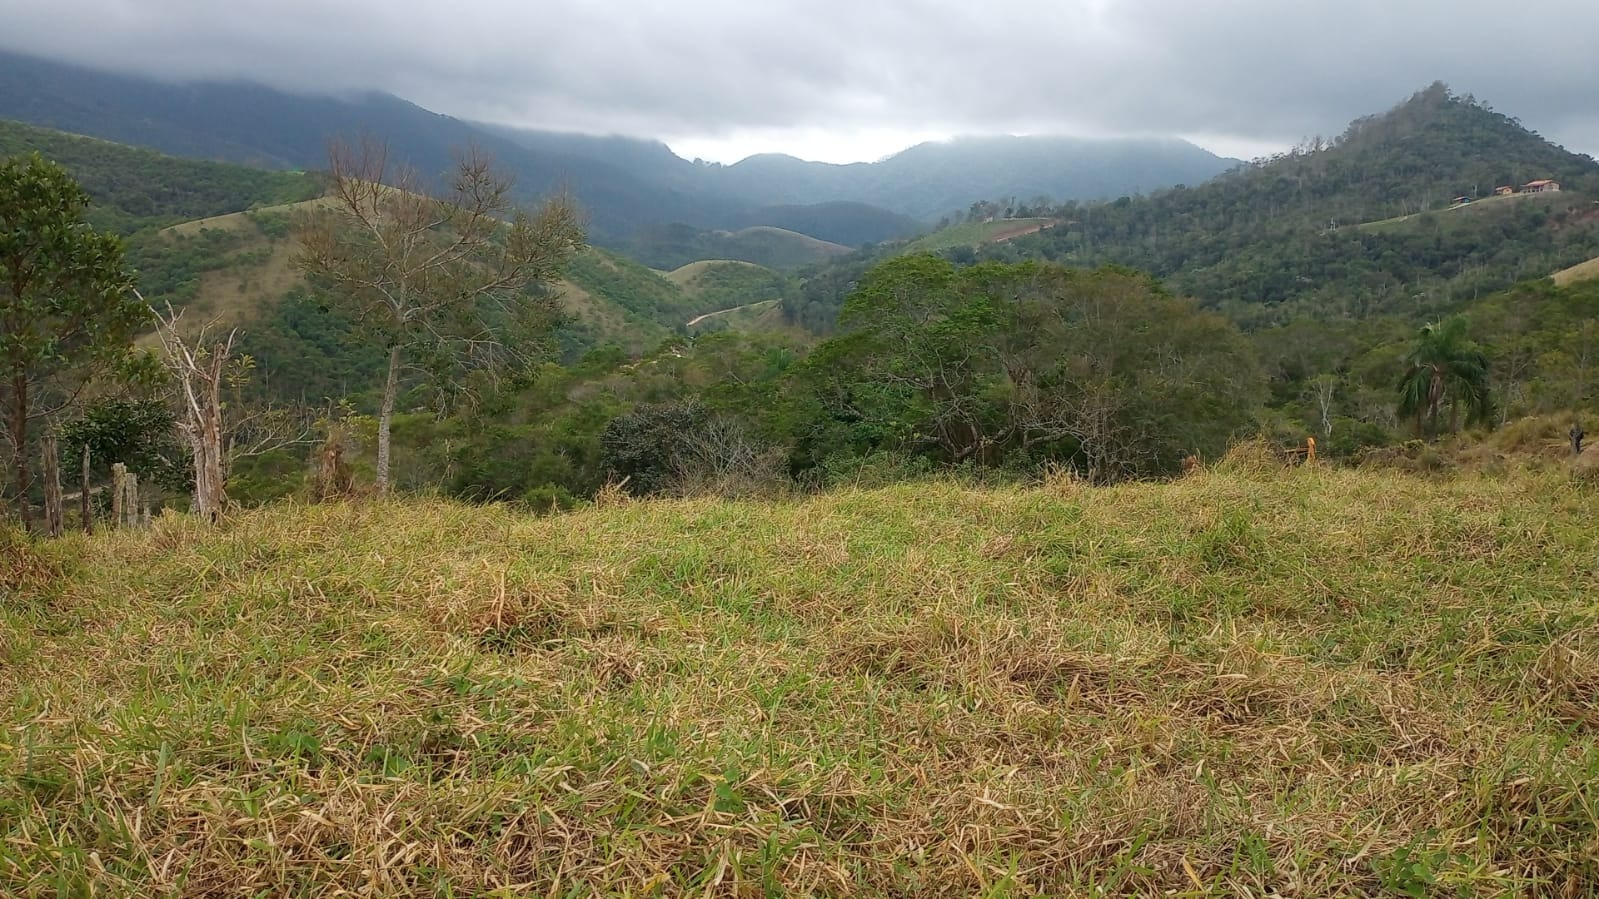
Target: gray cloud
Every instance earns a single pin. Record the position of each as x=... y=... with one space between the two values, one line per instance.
x=1252 y=71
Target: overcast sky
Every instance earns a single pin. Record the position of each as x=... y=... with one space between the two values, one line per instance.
x=856 y=79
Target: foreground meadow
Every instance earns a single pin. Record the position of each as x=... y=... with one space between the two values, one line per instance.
x=1312 y=683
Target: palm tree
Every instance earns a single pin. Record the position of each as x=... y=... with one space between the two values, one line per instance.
x=1444 y=367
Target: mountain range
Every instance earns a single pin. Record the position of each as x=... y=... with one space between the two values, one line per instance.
x=1328 y=256
x=627 y=185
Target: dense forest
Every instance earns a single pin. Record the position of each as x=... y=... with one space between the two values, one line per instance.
x=1356 y=226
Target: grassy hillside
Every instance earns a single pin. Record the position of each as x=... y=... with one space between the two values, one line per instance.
x=762 y=315
x=597 y=320
x=1487 y=206
x=781 y=248
x=1582 y=271
x=233 y=267
x=722 y=286
x=1313 y=683
x=691 y=277
x=638 y=290
x=673 y=246
x=217 y=238
x=239 y=267
x=974 y=234
x=670 y=300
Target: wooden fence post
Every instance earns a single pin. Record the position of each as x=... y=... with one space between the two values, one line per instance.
x=119 y=489
x=130 y=503
x=51 y=469
x=85 y=507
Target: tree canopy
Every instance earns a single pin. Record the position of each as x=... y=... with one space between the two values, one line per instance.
x=1444 y=368
x=440 y=280
x=66 y=303
x=995 y=363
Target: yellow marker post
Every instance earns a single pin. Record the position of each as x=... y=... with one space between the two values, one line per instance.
x=1310 y=449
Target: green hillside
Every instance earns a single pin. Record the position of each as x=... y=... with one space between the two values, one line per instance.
x=635 y=288
x=1273 y=241
x=232 y=266
x=718 y=284
x=761 y=315
x=217 y=238
x=782 y=249
x=233 y=263
x=133 y=188
x=1318 y=682
x=238 y=267
x=666 y=302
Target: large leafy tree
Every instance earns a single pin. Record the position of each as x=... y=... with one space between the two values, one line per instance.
x=994 y=363
x=67 y=308
x=439 y=281
x=1445 y=368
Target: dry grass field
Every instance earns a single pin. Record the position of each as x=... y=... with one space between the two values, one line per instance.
x=1245 y=683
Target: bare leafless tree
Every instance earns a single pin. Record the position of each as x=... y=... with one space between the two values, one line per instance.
x=199 y=365
x=435 y=277
x=203 y=366
x=721 y=458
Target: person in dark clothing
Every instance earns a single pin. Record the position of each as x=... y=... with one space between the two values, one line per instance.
x=1576 y=439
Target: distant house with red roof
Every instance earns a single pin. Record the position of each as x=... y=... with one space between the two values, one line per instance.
x=1538 y=187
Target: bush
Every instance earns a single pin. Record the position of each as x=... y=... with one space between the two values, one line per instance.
x=22 y=566
x=1351 y=436
x=683 y=450
x=549 y=499
x=641 y=448
x=881 y=469
x=1248 y=457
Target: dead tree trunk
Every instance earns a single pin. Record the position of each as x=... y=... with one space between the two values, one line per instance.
x=334 y=479
x=51 y=468
x=199 y=368
x=391 y=389
x=205 y=427
x=20 y=473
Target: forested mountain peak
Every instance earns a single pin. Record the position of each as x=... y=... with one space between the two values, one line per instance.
x=1422 y=154
x=1369 y=222
x=1437 y=108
